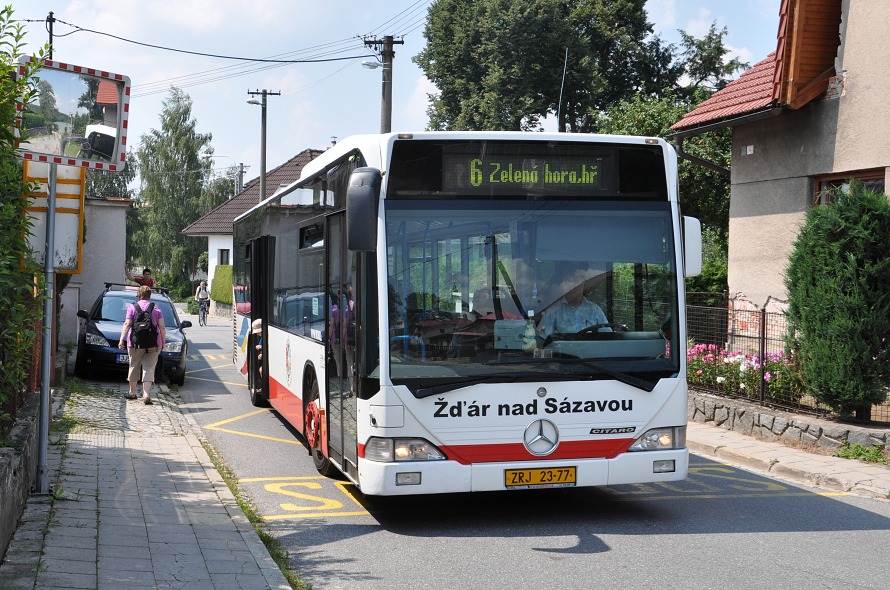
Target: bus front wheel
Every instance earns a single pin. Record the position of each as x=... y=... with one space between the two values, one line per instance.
x=312 y=429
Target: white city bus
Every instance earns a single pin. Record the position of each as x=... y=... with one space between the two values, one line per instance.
x=420 y=295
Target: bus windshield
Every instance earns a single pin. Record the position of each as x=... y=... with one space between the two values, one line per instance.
x=514 y=289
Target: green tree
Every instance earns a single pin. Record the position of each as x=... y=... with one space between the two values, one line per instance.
x=102 y=183
x=18 y=271
x=173 y=175
x=46 y=103
x=87 y=100
x=704 y=60
x=838 y=282
x=217 y=190
x=704 y=193
x=498 y=64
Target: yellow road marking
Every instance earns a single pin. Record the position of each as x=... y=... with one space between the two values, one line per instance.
x=215 y=380
x=216 y=426
x=323 y=506
x=236 y=418
x=211 y=368
x=314 y=515
x=259 y=436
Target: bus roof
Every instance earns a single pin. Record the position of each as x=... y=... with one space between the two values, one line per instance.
x=374 y=148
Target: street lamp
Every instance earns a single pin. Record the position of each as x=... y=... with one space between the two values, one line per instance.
x=264 y=93
x=387 y=53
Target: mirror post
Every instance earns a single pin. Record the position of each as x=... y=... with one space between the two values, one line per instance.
x=46 y=346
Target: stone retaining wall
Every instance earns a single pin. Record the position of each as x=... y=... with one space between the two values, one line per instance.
x=776 y=425
x=18 y=468
x=223 y=310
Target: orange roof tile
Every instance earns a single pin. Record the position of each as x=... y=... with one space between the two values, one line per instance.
x=752 y=91
x=107 y=93
x=219 y=221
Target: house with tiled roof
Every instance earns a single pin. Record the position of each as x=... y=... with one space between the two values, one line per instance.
x=811 y=115
x=216 y=225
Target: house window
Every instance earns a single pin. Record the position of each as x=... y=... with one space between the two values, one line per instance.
x=223 y=257
x=871 y=179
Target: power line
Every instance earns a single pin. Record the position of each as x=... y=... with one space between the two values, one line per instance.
x=213 y=75
x=411 y=18
x=214 y=55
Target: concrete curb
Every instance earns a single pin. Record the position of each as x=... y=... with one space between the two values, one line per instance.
x=798 y=466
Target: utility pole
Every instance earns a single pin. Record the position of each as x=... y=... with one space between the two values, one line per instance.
x=264 y=93
x=387 y=54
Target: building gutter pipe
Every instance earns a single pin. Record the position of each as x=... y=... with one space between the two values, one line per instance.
x=677 y=138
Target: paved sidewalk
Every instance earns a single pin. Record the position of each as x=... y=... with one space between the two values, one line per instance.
x=797 y=465
x=136 y=504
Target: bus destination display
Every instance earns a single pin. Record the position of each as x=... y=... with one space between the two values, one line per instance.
x=471 y=174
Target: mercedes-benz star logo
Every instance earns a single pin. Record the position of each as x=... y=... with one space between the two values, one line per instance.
x=541 y=437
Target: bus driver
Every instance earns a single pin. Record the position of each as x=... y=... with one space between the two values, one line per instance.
x=573 y=311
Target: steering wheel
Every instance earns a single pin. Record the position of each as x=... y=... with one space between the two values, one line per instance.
x=596 y=327
x=582 y=332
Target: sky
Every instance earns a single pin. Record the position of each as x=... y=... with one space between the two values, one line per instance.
x=318 y=101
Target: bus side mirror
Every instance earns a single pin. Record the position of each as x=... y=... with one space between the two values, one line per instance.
x=361 y=209
x=691 y=246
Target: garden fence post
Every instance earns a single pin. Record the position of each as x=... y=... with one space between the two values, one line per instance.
x=762 y=355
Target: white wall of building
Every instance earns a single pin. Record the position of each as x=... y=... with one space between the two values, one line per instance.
x=103 y=260
x=214 y=245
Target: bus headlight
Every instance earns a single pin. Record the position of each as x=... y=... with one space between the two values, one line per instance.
x=387 y=450
x=660 y=439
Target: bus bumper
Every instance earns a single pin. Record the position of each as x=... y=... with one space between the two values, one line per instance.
x=436 y=477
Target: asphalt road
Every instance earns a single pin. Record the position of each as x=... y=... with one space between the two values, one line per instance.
x=721 y=528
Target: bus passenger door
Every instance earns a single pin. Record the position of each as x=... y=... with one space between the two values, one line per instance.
x=341 y=347
x=261 y=263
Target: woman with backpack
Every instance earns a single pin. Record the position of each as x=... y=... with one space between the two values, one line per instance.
x=144 y=334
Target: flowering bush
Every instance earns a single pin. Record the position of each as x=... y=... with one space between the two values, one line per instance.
x=741 y=373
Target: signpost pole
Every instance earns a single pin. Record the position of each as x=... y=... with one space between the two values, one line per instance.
x=49 y=262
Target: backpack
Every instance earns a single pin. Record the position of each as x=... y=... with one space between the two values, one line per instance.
x=145 y=334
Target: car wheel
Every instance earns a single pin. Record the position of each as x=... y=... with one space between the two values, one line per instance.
x=160 y=376
x=81 y=369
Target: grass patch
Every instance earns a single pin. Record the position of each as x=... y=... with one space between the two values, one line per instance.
x=64 y=424
x=869 y=454
x=276 y=551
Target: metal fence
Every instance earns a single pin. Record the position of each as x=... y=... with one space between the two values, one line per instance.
x=741 y=354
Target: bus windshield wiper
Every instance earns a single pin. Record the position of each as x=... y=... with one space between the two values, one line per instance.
x=495 y=378
x=617 y=375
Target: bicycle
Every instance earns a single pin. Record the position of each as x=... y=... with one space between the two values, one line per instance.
x=202 y=312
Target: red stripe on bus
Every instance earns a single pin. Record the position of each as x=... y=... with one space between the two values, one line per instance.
x=507 y=452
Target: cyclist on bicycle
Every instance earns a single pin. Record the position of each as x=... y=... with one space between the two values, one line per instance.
x=202 y=296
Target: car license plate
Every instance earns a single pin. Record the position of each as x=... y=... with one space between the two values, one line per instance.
x=550 y=477
x=123 y=358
